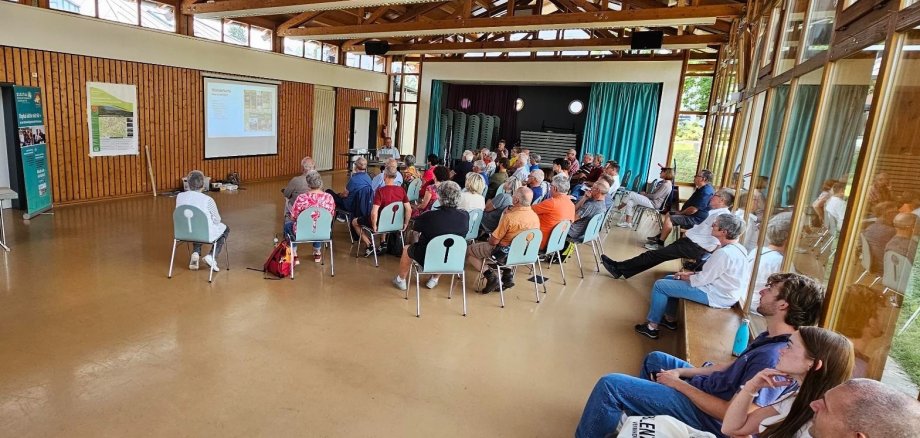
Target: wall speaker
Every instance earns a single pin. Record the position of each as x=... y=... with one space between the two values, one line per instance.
x=376 y=47
x=646 y=40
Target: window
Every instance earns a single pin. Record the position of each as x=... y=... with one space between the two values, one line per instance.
x=82 y=7
x=367 y=62
x=576 y=106
x=260 y=38
x=157 y=15
x=380 y=64
x=207 y=28
x=352 y=60
x=330 y=53
x=518 y=104
x=122 y=11
x=293 y=47
x=313 y=50
x=236 y=33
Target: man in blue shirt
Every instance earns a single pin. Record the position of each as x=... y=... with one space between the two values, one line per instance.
x=695 y=210
x=358 y=195
x=378 y=181
x=700 y=396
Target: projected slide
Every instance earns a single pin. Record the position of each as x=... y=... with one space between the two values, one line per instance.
x=241 y=118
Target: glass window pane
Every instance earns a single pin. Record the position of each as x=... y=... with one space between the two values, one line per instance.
x=293 y=47
x=695 y=96
x=874 y=316
x=352 y=59
x=395 y=88
x=236 y=32
x=792 y=35
x=397 y=66
x=407 y=128
x=122 y=11
x=209 y=28
x=82 y=7
x=769 y=40
x=330 y=53
x=367 y=62
x=413 y=67
x=747 y=144
x=158 y=15
x=820 y=27
x=260 y=38
x=687 y=145
x=410 y=93
x=313 y=50
x=380 y=64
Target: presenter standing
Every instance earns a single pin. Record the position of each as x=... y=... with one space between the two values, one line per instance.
x=387 y=150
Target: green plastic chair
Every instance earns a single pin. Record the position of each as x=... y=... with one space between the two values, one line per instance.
x=523 y=251
x=414 y=190
x=554 y=247
x=445 y=254
x=592 y=232
x=390 y=219
x=191 y=225
x=315 y=225
x=475 y=221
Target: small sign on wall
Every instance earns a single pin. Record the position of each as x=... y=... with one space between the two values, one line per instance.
x=112 y=118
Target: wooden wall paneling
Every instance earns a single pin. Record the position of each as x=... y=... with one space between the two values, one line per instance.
x=48 y=100
x=345 y=99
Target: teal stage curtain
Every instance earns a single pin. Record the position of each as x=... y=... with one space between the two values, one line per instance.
x=838 y=142
x=799 y=133
x=774 y=125
x=433 y=143
x=621 y=123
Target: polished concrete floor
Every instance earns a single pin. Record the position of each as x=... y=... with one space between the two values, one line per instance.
x=95 y=341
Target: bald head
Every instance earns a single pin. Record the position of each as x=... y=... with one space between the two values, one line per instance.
x=865 y=408
x=905 y=221
x=522 y=196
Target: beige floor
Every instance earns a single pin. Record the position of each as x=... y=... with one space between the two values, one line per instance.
x=96 y=341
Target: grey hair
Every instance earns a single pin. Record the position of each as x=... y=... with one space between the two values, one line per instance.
x=308 y=164
x=599 y=158
x=481 y=165
x=409 y=160
x=361 y=163
x=561 y=184
x=870 y=403
x=779 y=228
x=390 y=172
x=493 y=155
x=524 y=159
x=511 y=184
x=706 y=174
x=314 y=181
x=195 y=180
x=731 y=224
x=449 y=194
x=728 y=196
x=535 y=158
x=468 y=155
x=602 y=186
x=538 y=174
x=522 y=196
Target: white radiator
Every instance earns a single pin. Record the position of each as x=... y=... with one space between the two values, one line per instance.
x=323 y=126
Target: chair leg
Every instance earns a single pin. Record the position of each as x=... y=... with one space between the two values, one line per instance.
x=877 y=278
x=482 y=270
x=861 y=276
x=451 y=291
x=211 y=272
x=561 y=268
x=331 y=259
x=374 y=246
x=291 y=245
x=501 y=287
x=463 y=285
x=578 y=259
x=542 y=278
x=596 y=250
x=418 y=295
x=172 y=258
x=536 y=288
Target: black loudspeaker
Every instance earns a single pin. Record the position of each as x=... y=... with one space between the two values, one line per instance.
x=376 y=47
x=646 y=40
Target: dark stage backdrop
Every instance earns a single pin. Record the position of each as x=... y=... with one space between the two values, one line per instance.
x=493 y=100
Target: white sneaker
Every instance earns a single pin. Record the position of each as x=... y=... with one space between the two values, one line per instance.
x=400 y=283
x=432 y=283
x=624 y=224
x=210 y=261
x=193 y=263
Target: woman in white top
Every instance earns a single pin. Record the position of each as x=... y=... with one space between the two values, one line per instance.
x=816 y=360
x=836 y=206
x=471 y=197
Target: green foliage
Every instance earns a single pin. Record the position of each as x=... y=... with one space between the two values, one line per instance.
x=696 y=92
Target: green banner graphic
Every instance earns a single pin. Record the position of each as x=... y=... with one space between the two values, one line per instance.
x=33 y=149
x=112 y=119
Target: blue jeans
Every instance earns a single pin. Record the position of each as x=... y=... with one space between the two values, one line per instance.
x=218 y=244
x=617 y=394
x=289 y=234
x=667 y=292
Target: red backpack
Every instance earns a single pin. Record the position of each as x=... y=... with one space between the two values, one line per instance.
x=279 y=262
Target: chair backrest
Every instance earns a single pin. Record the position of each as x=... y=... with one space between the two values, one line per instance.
x=445 y=254
x=593 y=229
x=391 y=217
x=557 y=237
x=636 y=181
x=525 y=247
x=866 y=252
x=190 y=224
x=313 y=224
x=670 y=202
x=436 y=204
x=414 y=190
x=831 y=223
x=897 y=271
x=625 y=180
x=475 y=221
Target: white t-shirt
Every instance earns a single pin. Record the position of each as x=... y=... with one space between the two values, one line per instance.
x=721 y=275
x=471 y=201
x=836 y=207
x=206 y=204
x=782 y=409
x=770 y=263
x=701 y=234
x=659 y=426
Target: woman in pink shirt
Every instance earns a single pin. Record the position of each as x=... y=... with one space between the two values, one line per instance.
x=315 y=197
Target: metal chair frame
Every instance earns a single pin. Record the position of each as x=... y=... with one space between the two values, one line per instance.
x=524 y=251
x=322 y=233
x=195 y=220
x=592 y=232
x=439 y=262
x=390 y=219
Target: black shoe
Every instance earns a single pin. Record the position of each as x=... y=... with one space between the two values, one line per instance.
x=604 y=258
x=507 y=281
x=491 y=282
x=652 y=239
x=643 y=330
x=610 y=265
x=670 y=325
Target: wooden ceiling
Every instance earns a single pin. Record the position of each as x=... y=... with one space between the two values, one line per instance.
x=451 y=29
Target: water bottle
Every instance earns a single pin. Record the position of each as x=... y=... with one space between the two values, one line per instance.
x=742 y=337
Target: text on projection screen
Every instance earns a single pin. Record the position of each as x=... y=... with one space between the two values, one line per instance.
x=241 y=118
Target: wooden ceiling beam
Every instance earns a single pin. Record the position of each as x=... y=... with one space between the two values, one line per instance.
x=657 y=17
x=676 y=42
x=241 y=8
x=301 y=18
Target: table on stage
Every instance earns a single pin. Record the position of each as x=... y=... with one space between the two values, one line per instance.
x=5 y=193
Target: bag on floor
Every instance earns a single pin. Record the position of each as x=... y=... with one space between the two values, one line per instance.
x=659 y=426
x=394 y=245
x=567 y=251
x=279 y=262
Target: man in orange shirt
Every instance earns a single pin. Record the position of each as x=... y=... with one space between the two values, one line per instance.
x=555 y=208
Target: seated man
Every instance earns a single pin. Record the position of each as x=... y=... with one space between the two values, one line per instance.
x=498 y=178
x=698 y=241
x=865 y=408
x=903 y=242
x=535 y=161
x=385 y=195
x=391 y=163
x=297 y=186
x=655 y=199
x=464 y=165
x=695 y=209
x=479 y=167
x=521 y=166
x=557 y=207
x=718 y=285
x=535 y=183
x=447 y=219
x=387 y=150
x=700 y=396
x=216 y=229
x=517 y=218
x=590 y=205
x=358 y=194
x=572 y=157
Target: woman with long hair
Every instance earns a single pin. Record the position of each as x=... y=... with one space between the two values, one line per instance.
x=816 y=360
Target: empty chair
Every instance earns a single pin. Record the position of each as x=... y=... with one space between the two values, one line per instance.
x=866 y=260
x=523 y=251
x=592 y=232
x=554 y=247
x=445 y=254
x=315 y=225
x=414 y=190
x=475 y=221
x=191 y=225
x=389 y=220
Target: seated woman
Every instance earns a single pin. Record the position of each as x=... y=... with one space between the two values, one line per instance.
x=815 y=360
x=651 y=200
x=411 y=172
x=433 y=161
x=561 y=167
x=447 y=219
x=314 y=197
x=441 y=174
x=819 y=202
x=217 y=231
x=471 y=197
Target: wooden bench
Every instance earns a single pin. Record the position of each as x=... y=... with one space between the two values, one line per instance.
x=708 y=334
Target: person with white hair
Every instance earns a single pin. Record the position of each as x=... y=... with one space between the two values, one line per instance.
x=217 y=231
x=471 y=197
x=314 y=197
x=391 y=163
x=555 y=208
x=387 y=150
x=496 y=206
x=771 y=256
x=865 y=408
x=297 y=185
x=522 y=166
x=535 y=181
x=464 y=165
x=590 y=205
